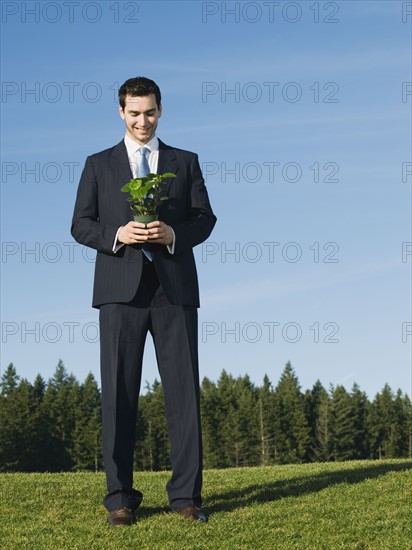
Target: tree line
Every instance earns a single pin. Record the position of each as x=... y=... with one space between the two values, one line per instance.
x=56 y=426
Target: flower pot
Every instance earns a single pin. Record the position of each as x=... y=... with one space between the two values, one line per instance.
x=145 y=219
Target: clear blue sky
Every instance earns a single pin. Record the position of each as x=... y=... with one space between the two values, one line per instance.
x=300 y=113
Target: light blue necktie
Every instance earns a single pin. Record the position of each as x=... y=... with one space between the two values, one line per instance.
x=142 y=170
x=143 y=167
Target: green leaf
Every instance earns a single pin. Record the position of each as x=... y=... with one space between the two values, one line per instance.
x=139 y=188
x=147 y=188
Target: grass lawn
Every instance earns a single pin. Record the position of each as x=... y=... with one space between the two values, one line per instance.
x=346 y=505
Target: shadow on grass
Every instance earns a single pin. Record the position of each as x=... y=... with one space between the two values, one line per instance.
x=145 y=512
x=298 y=486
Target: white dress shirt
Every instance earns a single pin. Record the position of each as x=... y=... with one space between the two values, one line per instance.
x=153 y=159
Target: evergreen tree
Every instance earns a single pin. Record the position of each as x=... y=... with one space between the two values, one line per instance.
x=87 y=443
x=8 y=429
x=246 y=413
x=360 y=408
x=21 y=425
x=239 y=432
x=40 y=459
x=59 y=405
x=154 y=452
x=400 y=425
x=407 y=408
x=292 y=430
x=343 y=424
x=382 y=428
x=15 y=405
x=318 y=414
x=227 y=399
x=266 y=413
x=143 y=456
x=25 y=426
x=9 y=380
x=39 y=388
x=212 y=424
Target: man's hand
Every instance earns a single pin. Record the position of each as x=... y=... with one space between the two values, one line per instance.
x=132 y=233
x=136 y=233
x=159 y=233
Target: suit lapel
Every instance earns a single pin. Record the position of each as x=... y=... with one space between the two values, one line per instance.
x=122 y=173
x=121 y=165
x=167 y=163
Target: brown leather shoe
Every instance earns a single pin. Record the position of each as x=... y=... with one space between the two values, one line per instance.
x=120 y=517
x=193 y=513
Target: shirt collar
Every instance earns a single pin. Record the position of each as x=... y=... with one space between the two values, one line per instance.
x=132 y=146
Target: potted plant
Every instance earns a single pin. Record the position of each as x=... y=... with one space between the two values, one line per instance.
x=144 y=194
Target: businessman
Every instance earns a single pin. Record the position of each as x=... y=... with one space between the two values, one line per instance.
x=146 y=281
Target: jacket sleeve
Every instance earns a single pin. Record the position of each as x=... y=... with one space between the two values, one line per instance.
x=86 y=226
x=201 y=218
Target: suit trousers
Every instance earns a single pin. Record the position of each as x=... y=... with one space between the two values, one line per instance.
x=123 y=331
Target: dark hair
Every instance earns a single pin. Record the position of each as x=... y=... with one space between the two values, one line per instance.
x=139 y=86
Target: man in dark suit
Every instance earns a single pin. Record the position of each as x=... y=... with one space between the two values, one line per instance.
x=146 y=280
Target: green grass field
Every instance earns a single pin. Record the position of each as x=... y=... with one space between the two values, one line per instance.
x=347 y=505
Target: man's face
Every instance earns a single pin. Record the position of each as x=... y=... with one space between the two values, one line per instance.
x=141 y=114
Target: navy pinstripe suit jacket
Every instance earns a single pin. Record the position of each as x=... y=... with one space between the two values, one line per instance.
x=101 y=208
